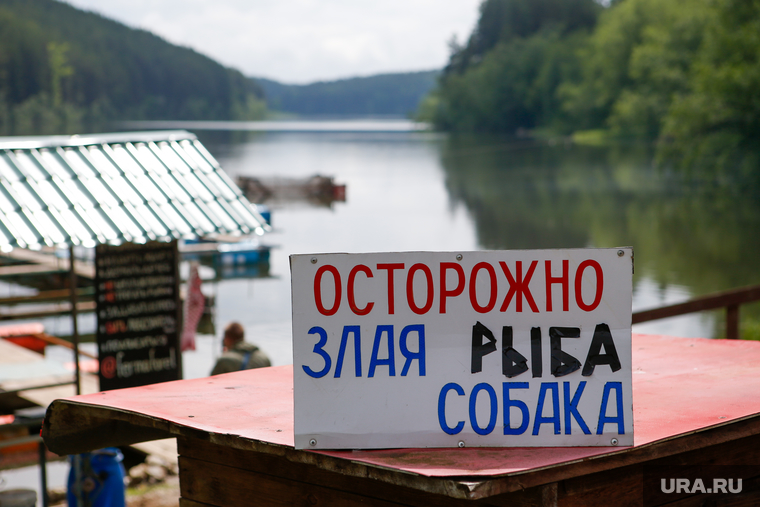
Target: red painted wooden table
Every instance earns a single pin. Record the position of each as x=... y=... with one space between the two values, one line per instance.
x=696 y=401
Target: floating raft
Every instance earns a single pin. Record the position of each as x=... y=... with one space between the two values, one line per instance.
x=317 y=190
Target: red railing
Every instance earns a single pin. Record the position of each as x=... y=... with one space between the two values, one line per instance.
x=730 y=300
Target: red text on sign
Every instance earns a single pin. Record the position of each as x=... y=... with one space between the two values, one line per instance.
x=483 y=287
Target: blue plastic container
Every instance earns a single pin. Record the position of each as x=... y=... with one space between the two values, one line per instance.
x=96 y=479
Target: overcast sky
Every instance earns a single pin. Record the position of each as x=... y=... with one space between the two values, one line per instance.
x=302 y=41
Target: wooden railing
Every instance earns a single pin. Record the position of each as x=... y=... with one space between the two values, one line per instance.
x=730 y=300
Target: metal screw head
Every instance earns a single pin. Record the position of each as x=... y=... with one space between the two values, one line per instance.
x=614 y=441
x=313 y=260
x=461 y=443
x=459 y=257
x=312 y=442
x=621 y=253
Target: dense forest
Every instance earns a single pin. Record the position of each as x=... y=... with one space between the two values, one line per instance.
x=685 y=73
x=380 y=95
x=64 y=70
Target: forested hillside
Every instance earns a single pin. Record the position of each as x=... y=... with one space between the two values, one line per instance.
x=62 y=69
x=685 y=73
x=505 y=78
x=384 y=94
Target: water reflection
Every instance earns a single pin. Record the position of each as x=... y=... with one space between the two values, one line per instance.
x=422 y=191
x=693 y=236
x=418 y=191
x=540 y=196
x=395 y=200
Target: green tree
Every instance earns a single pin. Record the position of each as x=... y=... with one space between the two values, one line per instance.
x=84 y=67
x=506 y=77
x=506 y=20
x=59 y=69
x=381 y=94
x=512 y=88
x=635 y=64
x=713 y=129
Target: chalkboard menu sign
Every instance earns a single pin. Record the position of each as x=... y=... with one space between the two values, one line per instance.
x=138 y=324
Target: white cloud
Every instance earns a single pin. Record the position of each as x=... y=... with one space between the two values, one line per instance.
x=299 y=41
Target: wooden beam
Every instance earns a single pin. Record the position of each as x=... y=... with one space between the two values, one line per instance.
x=28 y=269
x=54 y=340
x=83 y=307
x=83 y=338
x=48 y=296
x=52 y=263
x=717 y=301
x=42 y=386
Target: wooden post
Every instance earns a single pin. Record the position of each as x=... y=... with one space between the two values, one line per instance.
x=75 y=325
x=180 y=315
x=732 y=322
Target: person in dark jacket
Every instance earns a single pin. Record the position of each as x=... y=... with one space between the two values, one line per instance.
x=238 y=354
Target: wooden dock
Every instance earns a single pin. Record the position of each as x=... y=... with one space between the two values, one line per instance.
x=28 y=379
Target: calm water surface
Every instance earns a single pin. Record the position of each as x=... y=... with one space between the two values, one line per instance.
x=396 y=200
x=423 y=191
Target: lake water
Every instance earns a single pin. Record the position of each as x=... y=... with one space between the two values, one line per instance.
x=396 y=200
x=423 y=191
x=412 y=190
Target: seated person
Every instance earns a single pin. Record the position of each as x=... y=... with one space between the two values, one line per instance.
x=238 y=354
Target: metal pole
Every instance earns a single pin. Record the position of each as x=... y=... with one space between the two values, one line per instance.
x=78 y=494
x=75 y=327
x=43 y=475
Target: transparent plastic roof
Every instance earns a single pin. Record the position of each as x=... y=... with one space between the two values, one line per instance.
x=114 y=188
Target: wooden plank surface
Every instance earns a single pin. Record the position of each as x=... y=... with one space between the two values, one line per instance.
x=287 y=481
x=11 y=354
x=83 y=293
x=184 y=502
x=689 y=394
x=48 y=311
x=21 y=368
x=255 y=465
x=225 y=486
x=47 y=262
